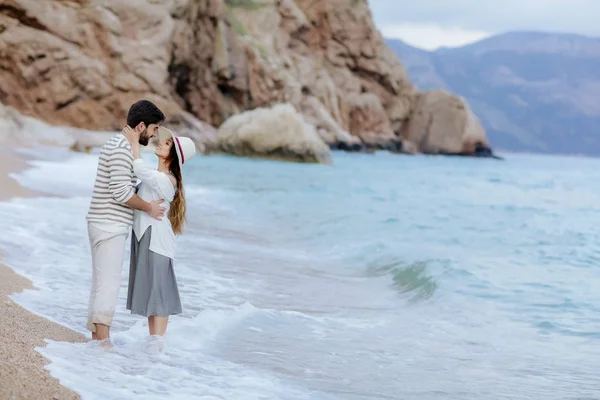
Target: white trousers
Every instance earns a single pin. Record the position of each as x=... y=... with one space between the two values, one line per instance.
x=108 y=253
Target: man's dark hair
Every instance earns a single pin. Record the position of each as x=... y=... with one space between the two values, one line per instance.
x=144 y=111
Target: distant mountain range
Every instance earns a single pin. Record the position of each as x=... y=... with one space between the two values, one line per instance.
x=535 y=92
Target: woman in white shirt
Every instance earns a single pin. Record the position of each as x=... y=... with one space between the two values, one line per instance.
x=153 y=289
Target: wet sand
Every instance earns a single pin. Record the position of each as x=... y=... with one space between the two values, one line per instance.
x=22 y=373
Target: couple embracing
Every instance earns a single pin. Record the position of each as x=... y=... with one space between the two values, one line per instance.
x=154 y=211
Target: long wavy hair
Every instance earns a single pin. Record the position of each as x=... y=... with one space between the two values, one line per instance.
x=178 y=208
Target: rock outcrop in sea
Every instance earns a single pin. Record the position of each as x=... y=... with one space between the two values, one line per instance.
x=278 y=132
x=82 y=63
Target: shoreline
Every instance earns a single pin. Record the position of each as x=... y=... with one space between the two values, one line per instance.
x=22 y=372
x=11 y=163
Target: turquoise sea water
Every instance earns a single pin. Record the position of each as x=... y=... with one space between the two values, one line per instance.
x=380 y=277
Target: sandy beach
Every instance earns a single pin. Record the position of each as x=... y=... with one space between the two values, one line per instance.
x=9 y=163
x=22 y=373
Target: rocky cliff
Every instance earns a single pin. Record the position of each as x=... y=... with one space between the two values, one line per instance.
x=83 y=62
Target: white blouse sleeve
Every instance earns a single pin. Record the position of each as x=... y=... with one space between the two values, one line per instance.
x=155 y=179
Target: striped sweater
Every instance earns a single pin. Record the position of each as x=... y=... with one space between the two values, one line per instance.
x=115 y=183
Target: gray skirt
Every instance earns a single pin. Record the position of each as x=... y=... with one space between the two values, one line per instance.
x=152 y=285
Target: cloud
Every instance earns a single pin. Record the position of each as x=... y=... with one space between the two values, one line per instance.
x=430 y=36
x=573 y=16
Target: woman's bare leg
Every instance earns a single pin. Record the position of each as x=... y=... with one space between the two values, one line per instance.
x=160 y=325
x=151 y=328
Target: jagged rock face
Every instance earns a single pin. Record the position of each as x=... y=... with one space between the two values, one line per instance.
x=84 y=62
x=247 y=57
x=315 y=55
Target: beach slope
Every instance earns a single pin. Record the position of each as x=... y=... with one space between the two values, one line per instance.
x=22 y=373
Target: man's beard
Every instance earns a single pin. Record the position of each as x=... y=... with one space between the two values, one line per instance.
x=144 y=139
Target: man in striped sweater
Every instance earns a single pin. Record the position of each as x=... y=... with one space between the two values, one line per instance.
x=110 y=216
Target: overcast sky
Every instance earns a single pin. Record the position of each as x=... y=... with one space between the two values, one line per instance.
x=430 y=24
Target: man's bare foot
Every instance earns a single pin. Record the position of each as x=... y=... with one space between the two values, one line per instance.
x=106 y=344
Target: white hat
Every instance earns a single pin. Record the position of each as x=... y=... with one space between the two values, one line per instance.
x=185 y=147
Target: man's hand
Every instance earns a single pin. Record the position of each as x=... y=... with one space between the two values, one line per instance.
x=156 y=211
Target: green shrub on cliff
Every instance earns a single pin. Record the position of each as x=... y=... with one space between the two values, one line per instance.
x=245 y=4
x=237 y=25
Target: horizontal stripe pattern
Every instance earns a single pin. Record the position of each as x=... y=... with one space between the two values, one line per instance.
x=115 y=183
